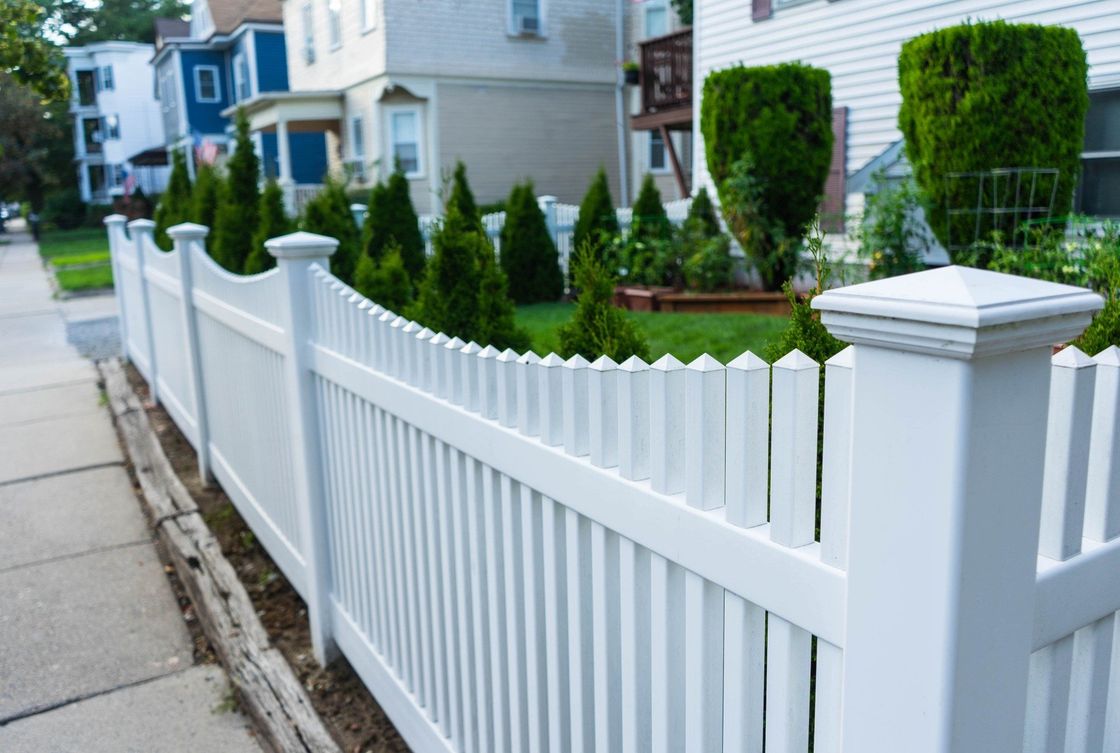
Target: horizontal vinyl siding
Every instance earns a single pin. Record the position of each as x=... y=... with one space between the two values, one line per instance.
x=858 y=41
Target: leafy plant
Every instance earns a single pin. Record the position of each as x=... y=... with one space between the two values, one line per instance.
x=205 y=195
x=648 y=220
x=385 y=281
x=462 y=198
x=597 y=224
x=597 y=327
x=236 y=220
x=768 y=142
x=175 y=204
x=274 y=222
x=529 y=256
x=710 y=266
x=702 y=214
x=391 y=220
x=328 y=213
x=891 y=235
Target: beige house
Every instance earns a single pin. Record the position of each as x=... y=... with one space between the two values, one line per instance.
x=514 y=88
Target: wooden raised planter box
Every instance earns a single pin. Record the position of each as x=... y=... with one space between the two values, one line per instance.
x=668 y=299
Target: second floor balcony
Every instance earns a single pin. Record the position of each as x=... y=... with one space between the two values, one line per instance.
x=666 y=82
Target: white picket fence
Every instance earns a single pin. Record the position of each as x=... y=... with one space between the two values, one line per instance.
x=560 y=218
x=530 y=554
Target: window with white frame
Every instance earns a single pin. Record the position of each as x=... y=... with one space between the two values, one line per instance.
x=207 y=87
x=308 y=14
x=656 y=152
x=525 y=17
x=334 y=22
x=241 y=84
x=405 y=143
x=105 y=78
x=110 y=127
x=1098 y=190
x=357 y=148
x=366 y=14
x=656 y=18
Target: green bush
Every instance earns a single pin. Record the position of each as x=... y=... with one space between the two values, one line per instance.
x=175 y=204
x=206 y=195
x=328 y=213
x=597 y=224
x=597 y=327
x=890 y=235
x=710 y=267
x=64 y=209
x=385 y=281
x=702 y=214
x=772 y=125
x=391 y=221
x=273 y=223
x=648 y=220
x=981 y=96
x=497 y=323
x=462 y=198
x=529 y=256
x=235 y=222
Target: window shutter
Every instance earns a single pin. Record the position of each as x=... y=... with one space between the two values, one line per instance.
x=760 y=9
x=832 y=206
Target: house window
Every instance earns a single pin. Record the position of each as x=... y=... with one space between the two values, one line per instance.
x=656 y=18
x=105 y=78
x=525 y=17
x=241 y=77
x=334 y=22
x=110 y=127
x=308 y=34
x=366 y=15
x=656 y=151
x=92 y=135
x=87 y=88
x=357 y=149
x=1098 y=192
x=96 y=179
x=404 y=140
x=207 y=88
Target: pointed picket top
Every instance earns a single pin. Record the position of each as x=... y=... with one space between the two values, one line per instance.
x=424 y=334
x=795 y=360
x=399 y=322
x=376 y=309
x=552 y=361
x=509 y=355
x=576 y=362
x=454 y=344
x=1110 y=356
x=410 y=327
x=470 y=348
x=357 y=298
x=748 y=361
x=845 y=359
x=604 y=363
x=120 y=219
x=387 y=316
x=336 y=285
x=364 y=304
x=667 y=362
x=488 y=352
x=529 y=357
x=1072 y=357
x=705 y=362
x=438 y=339
x=633 y=364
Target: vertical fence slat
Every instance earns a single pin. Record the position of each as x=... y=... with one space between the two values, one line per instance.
x=477 y=542
x=576 y=418
x=1067 y=454
x=602 y=395
x=1112 y=711
x=1048 y=697
x=468 y=362
x=437 y=377
x=551 y=391
x=384 y=342
x=464 y=581
x=420 y=557
x=554 y=556
x=633 y=419
x=436 y=584
x=1088 y=698
x=748 y=440
x=580 y=678
x=744 y=673
x=495 y=556
x=452 y=374
x=528 y=394
x=1102 y=489
x=386 y=581
x=703 y=678
x=667 y=425
x=793 y=458
x=606 y=640
x=488 y=382
x=423 y=378
x=634 y=665
x=667 y=702
x=828 y=703
x=516 y=659
x=787 y=686
x=837 y=455
x=445 y=515
x=507 y=387
x=705 y=413
x=532 y=570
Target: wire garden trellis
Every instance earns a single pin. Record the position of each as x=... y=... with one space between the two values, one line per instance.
x=1006 y=200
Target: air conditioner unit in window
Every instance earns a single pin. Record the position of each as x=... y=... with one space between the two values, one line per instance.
x=528 y=25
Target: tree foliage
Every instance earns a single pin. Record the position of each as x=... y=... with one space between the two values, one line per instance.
x=235 y=223
x=462 y=198
x=205 y=195
x=648 y=220
x=26 y=55
x=702 y=214
x=529 y=256
x=768 y=128
x=391 y=221
x=82 y=22
x=597 y=327
x=175 y=204
x=328 y=213
x=385 y=280
x=274 y=222
x=983 y=96
x=36 y=151
x=597 y=224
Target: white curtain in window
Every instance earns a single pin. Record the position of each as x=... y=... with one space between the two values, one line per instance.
x=406 y=140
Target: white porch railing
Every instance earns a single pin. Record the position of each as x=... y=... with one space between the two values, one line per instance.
x=530 y=554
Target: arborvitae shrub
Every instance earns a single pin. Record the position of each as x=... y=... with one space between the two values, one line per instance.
x=775 y=122
x=238 y=212
x=205 y=196
x=702 y=214
x=597 y=327
x=328 y=213
x=385 y=281
x=648 y=220
x=391 y=219
x=497 y=324
x=175 y=203
x=981 y=96
x=274 y=222
x=597 y=224
x=528 y=254
x=462 y=198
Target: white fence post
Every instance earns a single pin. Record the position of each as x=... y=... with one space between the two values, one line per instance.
x=139 y=229
x=295 y=254
x=950 y=398
x=186 y=238
x=114 y=224
x=547 y=205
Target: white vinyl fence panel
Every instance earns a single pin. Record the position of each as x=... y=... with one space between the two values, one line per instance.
x=520 y=553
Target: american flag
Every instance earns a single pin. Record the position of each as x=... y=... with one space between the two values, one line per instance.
x=206 y=152
x=129 y=183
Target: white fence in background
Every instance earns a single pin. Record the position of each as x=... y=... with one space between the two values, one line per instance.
x=530 y=554
x=560 y=218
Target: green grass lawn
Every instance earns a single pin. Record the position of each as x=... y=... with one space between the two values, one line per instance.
x=686 y=336
x=65 y=249
x=85 y=278
x=84 y=240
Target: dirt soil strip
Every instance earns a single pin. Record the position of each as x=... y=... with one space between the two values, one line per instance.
x=268 y=687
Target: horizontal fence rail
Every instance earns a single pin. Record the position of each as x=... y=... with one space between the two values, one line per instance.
x=529 y=553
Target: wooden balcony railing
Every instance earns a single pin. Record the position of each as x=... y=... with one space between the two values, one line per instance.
x=666 y=76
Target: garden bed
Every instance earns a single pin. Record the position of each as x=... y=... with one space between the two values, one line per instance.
x=675 y=301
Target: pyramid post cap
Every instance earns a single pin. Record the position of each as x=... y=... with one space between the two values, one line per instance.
x=301 y=245
x=667 y=362
x=114 y=219
x=576 y=362
x=552 y=361
x=454 y=343
x=489 y=352
x=845 y=359
x=470 y=348
x=1110 y=356
x=508 y=355
x=439 y=339
x=633 y=364
x=795 y=360
x=1072 y=357
x=529 y=357
x=705 y=363
x=141 y=225
x=748 y=361
x=187 y=231
x=425 y=334
x=604 y=363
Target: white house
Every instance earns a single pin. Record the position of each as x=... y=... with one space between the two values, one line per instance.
x=116 y=116
x=858 y=42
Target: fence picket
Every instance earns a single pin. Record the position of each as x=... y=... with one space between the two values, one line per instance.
x=748 y=440
x=606 y=639
x=602 y=395
x=528 y=394
x=744 y=673
x=507 y=387
x=575 y=406
x=488 y=382
x=495 y=556
x=551 y=392
x=837 y=456
x=555 y=557
x=704 y=655
x=633 y=421
x=452 y=373
x=1088 y=697
x=532 y=571
x=445 y=515
x=436 y=583
x=634 y=661
x=468 y=364
x=667 y=681
x=667 y=425
x=793 y=453
x=1102 y=488
x=580 y=670
x=424 y=354
x=471 y=711
x=516 y=660
x=1048 y=697
x=705 y=412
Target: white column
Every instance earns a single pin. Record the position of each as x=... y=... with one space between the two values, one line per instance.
x=141 y=229
x=284 y=157
x=950 y=395
x=295 y=253
x=114 y=226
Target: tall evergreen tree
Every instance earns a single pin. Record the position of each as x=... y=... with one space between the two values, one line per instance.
x=238 y=213
x=274 y=222
x=648 y=220
x=597 y=327
x=205 y=196
x=328 y=213
x=597 y=224
x=528 y=254
x=702 y=214
x=391 y=218
x=175 y=203
x=385 y=281
x=462 y=198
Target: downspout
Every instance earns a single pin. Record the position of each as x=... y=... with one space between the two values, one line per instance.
x=620 y=106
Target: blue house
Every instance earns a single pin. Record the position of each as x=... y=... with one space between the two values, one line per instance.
x=230 y=52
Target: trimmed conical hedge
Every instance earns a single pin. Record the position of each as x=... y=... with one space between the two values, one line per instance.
x=529 y=256
x=648 y=220
x=206 y=195
x=597 y=327
x=175 y=203
x=597 y=224
x=274 y=222
x=391 y=220
x=239 y=211
x=328 y=213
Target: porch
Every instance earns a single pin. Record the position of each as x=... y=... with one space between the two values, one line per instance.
x=665 y=80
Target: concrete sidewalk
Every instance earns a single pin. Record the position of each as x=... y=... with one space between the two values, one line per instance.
x=94 y=653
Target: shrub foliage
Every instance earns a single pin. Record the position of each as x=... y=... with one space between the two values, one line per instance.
x=235 y=222
x=981 y=96
x=175 y=203
x=775 y=123
x=206 y=195
x=328 y=213
x=597 y=327
x=528 y=253
x=391 y=221
x=597 y=224
x=648 y=220
x=274 y=222
x=384 y=280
